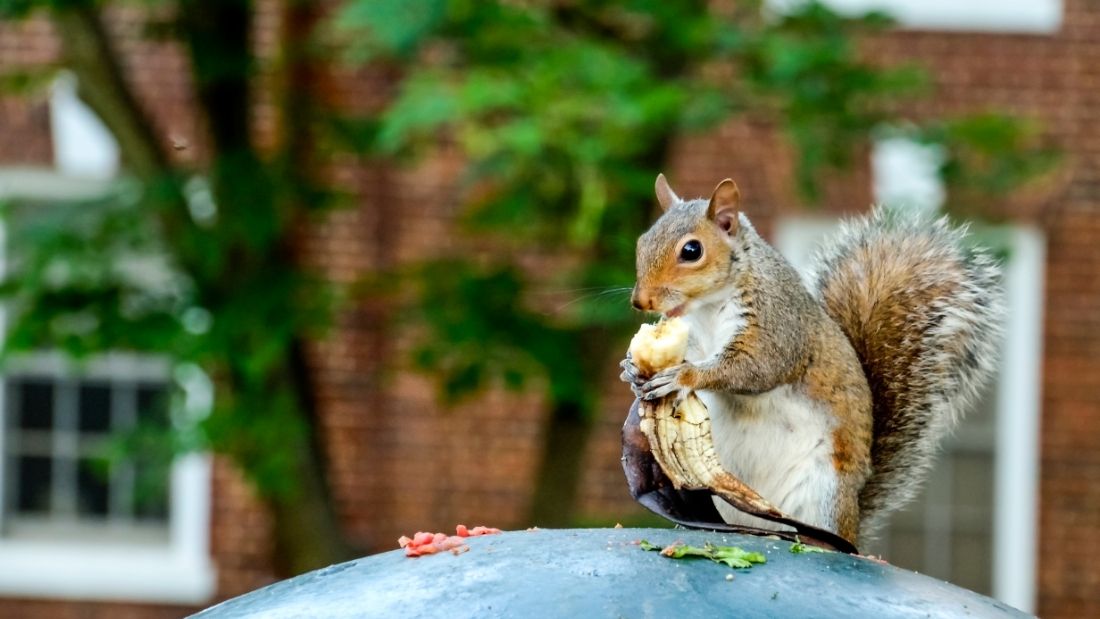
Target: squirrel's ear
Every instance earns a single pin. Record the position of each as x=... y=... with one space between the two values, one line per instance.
x=665 y=196
x=723 y=206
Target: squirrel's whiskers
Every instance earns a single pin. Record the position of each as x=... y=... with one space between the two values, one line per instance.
x=601 y=295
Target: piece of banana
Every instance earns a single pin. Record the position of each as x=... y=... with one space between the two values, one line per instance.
x=679 y=432
x=663 y=345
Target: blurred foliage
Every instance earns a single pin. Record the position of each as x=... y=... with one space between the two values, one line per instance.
x=989 y=155
x=565 y=112
x=74 y=281
x=195 y=264
x=101 y=274
x=490 y=336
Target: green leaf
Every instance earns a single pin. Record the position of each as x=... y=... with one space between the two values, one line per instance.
x=736 y=557
x=798 y=548
x=732 y=556
x=392 y=26
x=679 y=551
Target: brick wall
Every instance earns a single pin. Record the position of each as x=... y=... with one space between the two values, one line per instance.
x=25 y=120
x=400 y=462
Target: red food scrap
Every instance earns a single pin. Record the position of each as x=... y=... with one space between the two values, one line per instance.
x=474 y=532
x=424 y=543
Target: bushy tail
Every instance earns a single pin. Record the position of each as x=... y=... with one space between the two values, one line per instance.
x=923 y=311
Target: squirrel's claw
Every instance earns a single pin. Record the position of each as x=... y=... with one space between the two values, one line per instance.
x=653 y=387
x=632 y=380
x=630 y=372
x=661 y=384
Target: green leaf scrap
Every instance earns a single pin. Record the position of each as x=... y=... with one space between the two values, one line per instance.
x=732 y=556
x=798 y=548
x=735 y=557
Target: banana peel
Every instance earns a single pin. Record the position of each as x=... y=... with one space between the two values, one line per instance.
x=669 y=457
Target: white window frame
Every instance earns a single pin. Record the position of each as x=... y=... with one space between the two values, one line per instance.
x=1016 y=452
x=180 y=571
x=83 y=147
x=907 y=174
x=1042 y=17
x=1019 y=396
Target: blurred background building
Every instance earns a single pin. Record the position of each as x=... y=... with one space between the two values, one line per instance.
x=1012 y=510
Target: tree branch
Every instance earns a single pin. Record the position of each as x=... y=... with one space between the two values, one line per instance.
x=87 y=51
x=218 y=34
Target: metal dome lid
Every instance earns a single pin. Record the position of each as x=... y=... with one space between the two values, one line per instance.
x=605 y=573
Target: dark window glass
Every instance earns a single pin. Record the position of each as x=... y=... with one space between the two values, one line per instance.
x=33 y=487
x=35 y=404
x=140 y=488
x=152 y=403
x=92 y=487
x=95 y=407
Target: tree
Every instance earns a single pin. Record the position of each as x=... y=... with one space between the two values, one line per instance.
x=565 y=111
x=239 y=306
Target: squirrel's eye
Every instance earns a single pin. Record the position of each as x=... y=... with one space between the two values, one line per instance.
x=691 y=251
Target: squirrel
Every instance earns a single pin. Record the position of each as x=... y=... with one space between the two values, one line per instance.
x=830 y=403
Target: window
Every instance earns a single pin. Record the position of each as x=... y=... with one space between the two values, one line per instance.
x=907 y=174
x=1026 y=16
x=71 y=525
x=74 y=524
x=83 y=147
x=977 y=513
x=61 y=481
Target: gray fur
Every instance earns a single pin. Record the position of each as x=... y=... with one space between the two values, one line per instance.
x=936 y=359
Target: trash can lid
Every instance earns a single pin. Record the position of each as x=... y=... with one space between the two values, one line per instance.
x=605 y=573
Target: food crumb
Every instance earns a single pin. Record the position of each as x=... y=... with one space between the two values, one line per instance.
x=729 y=577
x=424 y=543
x=618 y=525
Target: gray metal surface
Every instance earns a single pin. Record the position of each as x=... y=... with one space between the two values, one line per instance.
x=603 y=573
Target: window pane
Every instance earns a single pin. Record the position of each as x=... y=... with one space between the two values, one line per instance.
x=151 y=489
x=92 y=487
x=970 y=560
x=973 y=490
x=152 y=403
x=95 y=407
x=906 y=547
x=33 y=486
x=35 y=404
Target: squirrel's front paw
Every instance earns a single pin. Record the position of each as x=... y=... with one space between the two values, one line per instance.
x=632 y=375
x=662 y=383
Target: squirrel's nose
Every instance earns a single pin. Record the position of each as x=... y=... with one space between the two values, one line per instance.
x=640 y=299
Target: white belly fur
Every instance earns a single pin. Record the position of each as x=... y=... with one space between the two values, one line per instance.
x=779 y=442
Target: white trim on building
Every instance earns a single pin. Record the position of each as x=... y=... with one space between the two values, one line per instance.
x=1015 y=531
x=907 y=174
x=1002 y=16
x=179 y=572
x=83 y=147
